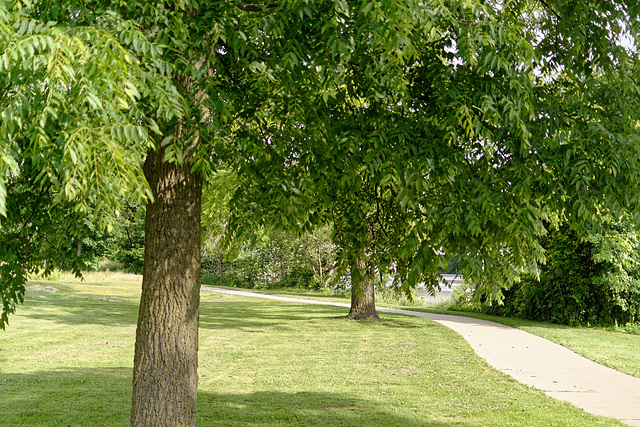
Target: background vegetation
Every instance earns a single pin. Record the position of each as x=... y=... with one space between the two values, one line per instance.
x=590 y=278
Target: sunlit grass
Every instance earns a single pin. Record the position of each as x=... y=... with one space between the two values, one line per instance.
x=614 y=348
x=66 y=359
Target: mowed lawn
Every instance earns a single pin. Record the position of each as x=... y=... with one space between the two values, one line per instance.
x=66 y=360
x=612 y=347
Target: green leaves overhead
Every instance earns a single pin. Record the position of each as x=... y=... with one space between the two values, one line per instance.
x=457 y=133
x=70 y=103
x=423 y=130
x=81 y=96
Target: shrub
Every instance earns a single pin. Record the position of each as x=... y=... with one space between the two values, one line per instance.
x=587 y=280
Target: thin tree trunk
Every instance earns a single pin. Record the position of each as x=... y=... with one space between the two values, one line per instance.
x=363 y=304
x=165 y=375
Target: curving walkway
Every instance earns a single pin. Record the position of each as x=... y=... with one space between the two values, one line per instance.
x=532 y=360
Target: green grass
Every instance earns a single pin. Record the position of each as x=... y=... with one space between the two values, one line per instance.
x=66 y=359
x=614 y=348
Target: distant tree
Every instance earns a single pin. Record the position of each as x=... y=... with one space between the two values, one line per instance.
x=274 y=259
x=264 y=258
x=505 y=113
x=124 y=243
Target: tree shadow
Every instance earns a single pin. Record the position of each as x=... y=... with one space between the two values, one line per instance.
x=80 y=309
x=102 y=396
x=254 y=314
x=260 y=315
x=69 y=397
x=274 y=408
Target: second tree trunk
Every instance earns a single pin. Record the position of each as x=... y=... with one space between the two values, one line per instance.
x=363 y=303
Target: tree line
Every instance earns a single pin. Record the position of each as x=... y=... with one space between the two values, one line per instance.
x=589 y=278
x=269 y=259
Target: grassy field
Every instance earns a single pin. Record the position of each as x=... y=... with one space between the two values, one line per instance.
x=614 y=348
x=66 y=360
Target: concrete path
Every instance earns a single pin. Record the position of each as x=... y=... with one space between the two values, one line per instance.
x=535 y=361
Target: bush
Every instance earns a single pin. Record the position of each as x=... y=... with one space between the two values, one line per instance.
x=587 y=281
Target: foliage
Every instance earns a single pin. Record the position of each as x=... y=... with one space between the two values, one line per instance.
x=72 y=134
x=37 y=235
x=460 y=135
x=264 y=259
x=69 y=103
x=41 y=234
x=124 y=243
x=272 y=260
x=617 y=250
x=421 y=129
x=591 y=279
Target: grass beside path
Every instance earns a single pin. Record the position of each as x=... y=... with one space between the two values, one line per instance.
x=66 y=359
x=616 y=349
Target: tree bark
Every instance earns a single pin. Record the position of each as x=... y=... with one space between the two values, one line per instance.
x=363 y=304
x=165 y=375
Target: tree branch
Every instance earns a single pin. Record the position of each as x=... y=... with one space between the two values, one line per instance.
x=545 y=4
x=250 y=7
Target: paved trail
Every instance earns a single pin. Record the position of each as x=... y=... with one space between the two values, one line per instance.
x=532 y=360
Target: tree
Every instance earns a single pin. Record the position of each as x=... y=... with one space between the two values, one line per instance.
x=461 y=117
x=504 y=114
x=125 y=243
x=266 y=258
x=275 y=259
x=92 y=91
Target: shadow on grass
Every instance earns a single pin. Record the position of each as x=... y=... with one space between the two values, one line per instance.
x=101 y=397
x=232 y=313
x=260 y=313
x=79 y=309
x=70 y=397
x=257 y=314
x=268 y=408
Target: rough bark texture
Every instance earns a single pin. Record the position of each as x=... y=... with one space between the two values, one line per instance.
x=363 y=303
x=165 y=375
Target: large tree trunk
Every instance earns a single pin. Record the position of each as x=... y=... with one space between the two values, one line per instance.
x=363 y=303
x=165 y=375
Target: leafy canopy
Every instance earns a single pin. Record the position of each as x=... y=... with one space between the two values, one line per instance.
x=422 y=128
x=488 y=120
x=73 y=132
